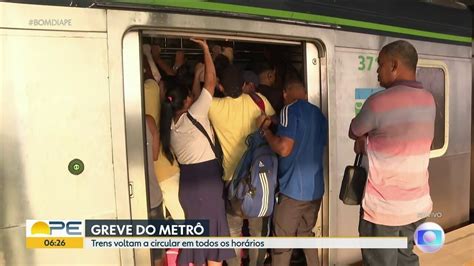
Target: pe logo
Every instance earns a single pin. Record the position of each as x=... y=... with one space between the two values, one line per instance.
x=54 y=228
x=429 y=237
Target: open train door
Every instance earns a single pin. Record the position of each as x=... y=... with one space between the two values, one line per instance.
x=134 y=130
x=315 y=63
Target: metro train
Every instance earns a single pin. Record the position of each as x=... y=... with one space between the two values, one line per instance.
x=71 y=91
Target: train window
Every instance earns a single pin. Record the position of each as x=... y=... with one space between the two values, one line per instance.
x=434 y=76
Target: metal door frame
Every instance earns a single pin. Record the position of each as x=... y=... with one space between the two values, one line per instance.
x=126 y=103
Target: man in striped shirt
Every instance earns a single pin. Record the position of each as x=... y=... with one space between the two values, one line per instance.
x=396 y=127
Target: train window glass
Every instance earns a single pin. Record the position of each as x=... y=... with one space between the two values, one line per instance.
x=433 y=76
x=433 y=80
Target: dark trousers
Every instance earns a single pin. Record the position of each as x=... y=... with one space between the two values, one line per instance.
x=294 y=218
x=389 y=257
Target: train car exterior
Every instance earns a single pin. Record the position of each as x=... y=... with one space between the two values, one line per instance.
x=71 y=89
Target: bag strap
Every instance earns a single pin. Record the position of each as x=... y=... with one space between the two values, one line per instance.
x=358 y=159
x=214 y=146
x=258 y=101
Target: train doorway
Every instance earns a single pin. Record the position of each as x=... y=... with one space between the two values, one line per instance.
x=300 y=59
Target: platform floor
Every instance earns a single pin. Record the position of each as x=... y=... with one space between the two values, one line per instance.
x=458 y=249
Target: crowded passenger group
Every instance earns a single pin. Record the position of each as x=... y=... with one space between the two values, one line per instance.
x=188 y=112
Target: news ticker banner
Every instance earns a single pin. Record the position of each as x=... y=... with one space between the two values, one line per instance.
x=247 y=242
x=174 y=234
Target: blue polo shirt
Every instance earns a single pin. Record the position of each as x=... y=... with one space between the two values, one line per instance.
x=300 y=174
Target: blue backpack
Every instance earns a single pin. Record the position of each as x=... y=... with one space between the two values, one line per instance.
x=251 y=192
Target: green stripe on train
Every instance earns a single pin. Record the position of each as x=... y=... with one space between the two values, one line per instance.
x=205 y=5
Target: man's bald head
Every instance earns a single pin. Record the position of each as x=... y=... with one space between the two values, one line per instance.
x=403 y=51
x=295 y=85
x=294 y=90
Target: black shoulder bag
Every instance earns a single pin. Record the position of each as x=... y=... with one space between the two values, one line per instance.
x=216 y=147
x=353 y=183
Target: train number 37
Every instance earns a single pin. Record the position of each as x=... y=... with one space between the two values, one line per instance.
x=365 y=62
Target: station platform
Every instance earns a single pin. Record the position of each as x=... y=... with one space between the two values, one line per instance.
x=458 y=249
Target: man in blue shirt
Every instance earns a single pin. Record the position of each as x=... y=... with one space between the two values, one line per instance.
x=300 y=141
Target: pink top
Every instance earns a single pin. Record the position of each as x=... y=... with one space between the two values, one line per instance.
x=399 y=123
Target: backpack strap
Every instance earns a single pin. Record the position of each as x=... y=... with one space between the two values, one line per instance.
x=258 y=101
x=216 y=147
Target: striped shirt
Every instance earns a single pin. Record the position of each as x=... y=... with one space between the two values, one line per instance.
x=399 y=124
